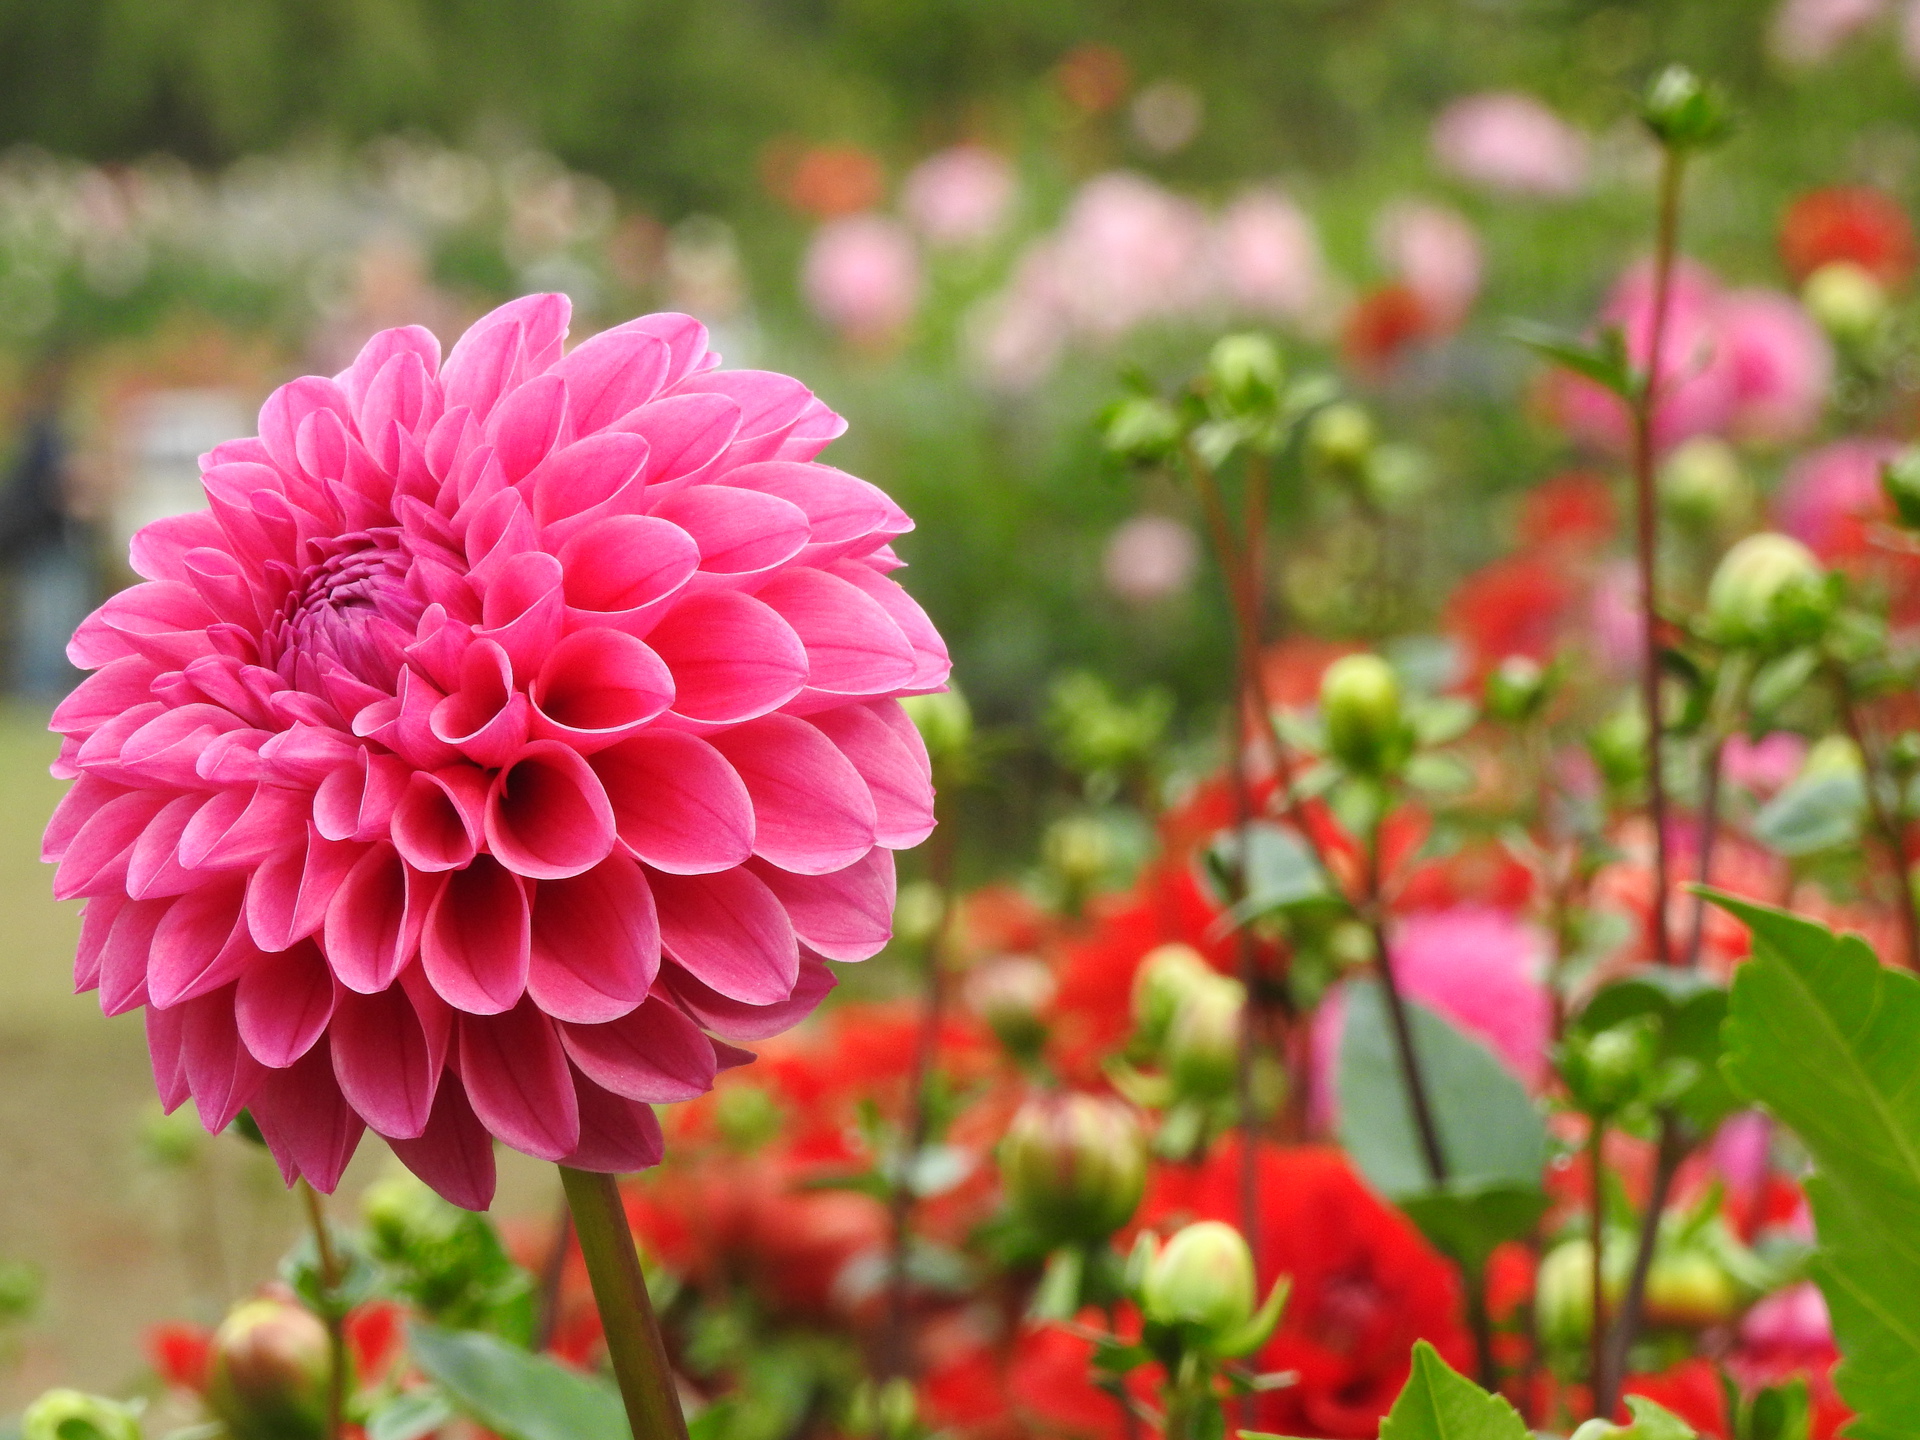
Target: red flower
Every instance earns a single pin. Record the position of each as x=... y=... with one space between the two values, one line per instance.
x=1848 y=222
x=1514 y=606
x=1382 y=327
x=179 y=1353
x=1575 y=509
x=1690 y=1390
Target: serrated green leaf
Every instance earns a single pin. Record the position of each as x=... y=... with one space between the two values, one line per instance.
x=1438 y=1403
x=1828 y=1039
x=517 y=1395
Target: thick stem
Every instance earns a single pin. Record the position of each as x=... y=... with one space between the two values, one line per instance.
x=1884 y=822
x=1673 y=1149
x=634 y=1345
x=1411 y=1075
x=331 y=1314
x=1646 y=404
x=1597 y=1229
x=1709 y=832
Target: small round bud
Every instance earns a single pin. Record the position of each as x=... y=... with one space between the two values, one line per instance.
x=1203 y=1278
x=1167 y=975
x=1246 y=371
x=73 y=1415
x=1397 y=476
x=267 y=1378
x=402 y=1214
x=1360 y=705
x=1563 y=1290
x=1846 y=301
x=1684 y=112
x=1075 y=1166
x=1689 y=1289
x=1142 y=428
x=1203 y=1042
x=1702 y=485
x=1516 y=689
x=1651 y=1421
x=1011 y=995
x=1341 y=437
x=1608 y=1071
x=1761 y=587
x=1901 y=480
x=945 y=722
x=919 y=908
x=1079 y=851
x=1618 y=745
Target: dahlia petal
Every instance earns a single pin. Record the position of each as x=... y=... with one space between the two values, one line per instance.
x=153 y=866
x=200 y=944
x=902 y=792
x=845 y=515
x=812 y=812
x=846 y=915
x=123 y=956
x=502 y=348
x=741 y=533
x=476 y=941
x=677 y=804
x=438 y=652
x=524 y=609
x=86 y=795
x=221 y=1073
x=620 y=570
x=165 y=620
x=96 y=923
x=853 y=646
x=240 y=828
x=374 y=923
x=404 y=724
x=931 y=664
x=730 y=931
x=454 y=1154
x=732 y=657
x=166 y=1037
x=497 y=527
x=454 y=436
x=613 y=372
x=112 y=690
x=356 y=801
x=578 y=483
x=595 y=943
x=305 y=755
x=617 y=1136
x=288 y=408
x=684 y=337
x=735 y=1020
x=516 y=1075
x=435 y=1015
x=307 y=1122
x=384 y=1062
x=158 y=549
x=223 y=582
x=654 y=1054
x=596 y=688
x=816 y=428
x=96 y=858
x=770 y=404
x=166 y=750
x=374 y=370
x=288 y=895
x=547 y=815
x=283 y=1004
x=485 y=719
x=686 y=436
x=526 y=424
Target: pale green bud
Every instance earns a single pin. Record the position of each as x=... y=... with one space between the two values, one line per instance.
x=945 y=723
x=1845 y=300
x=1360 y=705
x=1246 y=371
x=1202 y=1277
x=1074 y=1166
x=1203 y=1042
x=267 y=1378
x=1702 y=485
x=1341 y=436
x=1167 y=975
x=1142 y=428
x=1759 y=585
x=1011 y=994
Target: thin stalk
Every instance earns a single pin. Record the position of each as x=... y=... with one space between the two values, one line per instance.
x=1673 y=1150
x=1411 y=1076
x=634 y=1344
x=1646 y=517
x=1884 y=822
x=331 y=1314
x=1481 y=1323
x=552 y=1273
x=1597 y=1226
x=1709 y=832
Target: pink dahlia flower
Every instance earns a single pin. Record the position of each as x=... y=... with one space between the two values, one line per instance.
x=1270 y=256
x=1504 y=140
x=1782 y=365
x=862 y=276
x=960 y=196
x=1832 y=495
x=1436 y=253
x=507 y=738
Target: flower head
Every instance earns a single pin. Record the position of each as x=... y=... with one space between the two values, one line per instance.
x=504 y=731
x=1503 y=140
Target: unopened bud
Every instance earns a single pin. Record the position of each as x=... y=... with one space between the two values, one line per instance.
x=1167 y=975
x=1075 y=1166
x=1516 y=690
x=1246 y=371
x=1763 y=585
x=1341 y=437
x=1011 y=994
x=73 y=1415
x=1142 y=428
x=1203 y=1278
x=1901 y=480
x=1563 y=1291
x=267 y=1378
x=1690 y=1289
x=1203 y=1042
x=1684 y=112
x=1079 y=849
x=1360 y=705
x=1608 y=1071
x=945 y=723
x=1702 y=485
x=1618 y=745
x=1845 y=300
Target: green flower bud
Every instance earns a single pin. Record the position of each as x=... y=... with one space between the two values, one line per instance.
x=1763 y=585
x=1246 y=372
x=1563 y=1289
x=1516 y=690
x=1079 y=850
x=1397 y=476
x=1690 y=1289
x=1702 y=485
x=945 y=723
x=1846 y=301
x=1609 y=1071
x=72 y=1415
x=1203 y=1278
x=1901 y=480
x=1011 y=994
x=1075 y=1166
x=267 y=1379
x=1341 y=437
x=1203 y=1042
x=1360 y=705
x=1684 y=112
x=1167 y=975
x=1618 y=745
x=1142 y=428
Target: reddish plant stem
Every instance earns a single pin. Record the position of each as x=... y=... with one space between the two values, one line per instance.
x=1709 y=832
x=1411 y=1075
x=1672 y=1150
x=1891 y=833
x=331 y=1315
x=1597 y=1226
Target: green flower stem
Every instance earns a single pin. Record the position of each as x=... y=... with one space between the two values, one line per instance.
x=634 y=1345
x=332 y=1315
x=1597 y=1226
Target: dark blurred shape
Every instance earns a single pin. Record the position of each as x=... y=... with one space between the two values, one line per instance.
x=49 y=577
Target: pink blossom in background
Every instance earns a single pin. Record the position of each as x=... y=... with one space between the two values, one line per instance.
x=1016 y=339
x=1829 y=495
x=1910 y=36
x=509 y=737
x=1149 y=558
x=1269 y=256
x=1806 y=32
x=1436 y=253
x=1791 y=1320
x=862 y=276
x=1782 y=365
x=1504 y=140
x=1130 y=251
x=1617 y=625
x=1763 y=765
x=959 y=196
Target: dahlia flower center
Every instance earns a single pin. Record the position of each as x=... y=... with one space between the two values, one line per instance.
x=352 y=608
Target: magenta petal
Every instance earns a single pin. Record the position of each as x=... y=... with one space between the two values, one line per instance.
x=812 y=812
x=524 y=609
x=524 y=425
x=96 y=924
x=654 y=1054
x=166 y=1049
x=384 y=1062
x=221 y=1073
x=485 y=719
x=847 y=915
x=677 y=803
x=596 y=943
x=621 y=569
x=124 y=954
x=355 y=801
x=475 y=944
x=581 y=480
x=730 y=931
x=902 y=791
x=200 y=944
x=283 y=1003
x=306 y=1121
x=153 y=865
x=516 y=1075
x=454 y=1154
x=844 y=513
x=931 y=665
x=86 y=795
x=739 y=532
x=686 y=434
x=853 y=646
x=159 y=547
x=733 y=1020
x=617 y=1136
x=547 y=816
x=236 y=828
x=374 y=922
x=288 y=895
x=731 y=656
x=437 y=824
x=598 y=686
x=96 y=858
x=611 y=374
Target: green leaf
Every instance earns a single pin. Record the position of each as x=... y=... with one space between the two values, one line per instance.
x=1469 y=1224
x=1828 y=1039
x=1490 y=1129
x=520 y=1396
x=1688 y=1010
x=1603 y=361
x=1818 y=813
x=410 y=1415
x=1439 y=1404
